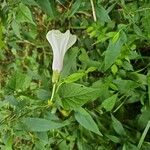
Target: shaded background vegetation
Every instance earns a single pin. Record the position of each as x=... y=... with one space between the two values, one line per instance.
x=110 y=64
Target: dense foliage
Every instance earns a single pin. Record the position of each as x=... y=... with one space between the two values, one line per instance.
x=102 y=101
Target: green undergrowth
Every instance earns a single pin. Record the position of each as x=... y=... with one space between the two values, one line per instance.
x=103 y=98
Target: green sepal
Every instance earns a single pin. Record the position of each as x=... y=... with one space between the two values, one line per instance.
x=55 y=76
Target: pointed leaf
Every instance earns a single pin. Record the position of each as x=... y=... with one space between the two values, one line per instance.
x=75 y=7
x=47 y=6
x=85 y=119
x=102 y=14
x=118 y=126
x=24 y=14
x=16 y=28
x=19 y=81
x=109 y=103
x=41 y=125
x=74 y=77
x=74 y=95
x=113 y=51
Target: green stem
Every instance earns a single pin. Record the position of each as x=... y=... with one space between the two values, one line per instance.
x=144 y=135
x=52 y=96
x=120 y=104
x=93 y=10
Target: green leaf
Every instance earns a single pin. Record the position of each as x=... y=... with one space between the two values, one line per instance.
x=16 y=28
x=24 y=14
x=127 y=66
x=146 y=20
x=91 y=69
x=41 y=125
x=102 y=14
x=137 y=30
x=114 y=69
x=87 y=62
x=74 y=95
x=74 y=8
x=70 y=57
x=113 y=51
x=78 y=75
x=109 y=103
x=19 y=81
x=144 y=117
x=74 y=77
x=29 y=2
x=11 y=100
x=48 y=6
x=138 y=77
x=43 y=94
x=116 y=36
x=85 y=119
x=118 y=126
x=129 y=146
x=9 y=143
x=113 y=138
x=126 y=86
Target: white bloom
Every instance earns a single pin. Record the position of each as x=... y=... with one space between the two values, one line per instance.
x=60 y=43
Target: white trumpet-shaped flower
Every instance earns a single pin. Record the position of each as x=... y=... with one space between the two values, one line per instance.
x=60 y=43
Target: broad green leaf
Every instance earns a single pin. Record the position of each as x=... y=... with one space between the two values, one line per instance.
x=48 y=6
x=41 y=125
x=78 y=75
x=127 y=66
x=84 y=58
x=87 y=62
x=74 y=95
x=43 y=136
x=125 y=86
x=85 y=119
x=146 y=20
x=24 y=14
x=70 y=57
x=91 y=69
x=118 y=126
x=19 y=81
x=109 y=103
x=103 y=89
x=129 y=146
x=9 y=143
x=138 y=77
x=102 y=14
x=43 y=94
x=113 y=138
x=64 y=145
x=74 y=77
x=29 y=2
x=137 y=30
x=83 y=145
x=144 y=117
x=113 y=51
x=11 y=100
x=114 y=69
x=116 y=36
x=16 y=28
x=75 y=7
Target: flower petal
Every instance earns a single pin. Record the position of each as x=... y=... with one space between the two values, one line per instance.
x=60 y=43
x=64 y=42
x=53 y=41
x=72 y=40
x=51 y=37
